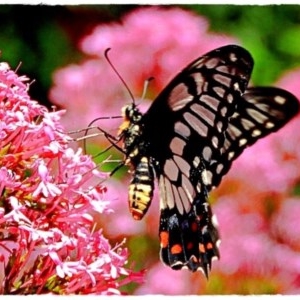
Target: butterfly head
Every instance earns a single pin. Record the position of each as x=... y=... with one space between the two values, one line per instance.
x=131 y=129
x=131 y=115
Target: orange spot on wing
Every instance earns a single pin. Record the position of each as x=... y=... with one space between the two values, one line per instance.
x=176 y=249
x=209 y=246
x=201 y=248
x=164 y=239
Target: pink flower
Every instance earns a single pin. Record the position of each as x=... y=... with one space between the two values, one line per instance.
x=284 y=225
x=49 y=193
x=165 y=281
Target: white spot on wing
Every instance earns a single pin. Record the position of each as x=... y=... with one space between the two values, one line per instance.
x=166 y=193
x=200 y=82
x=196 y=161
x=230 y=155
x=182 y=129
x=203 y=113
x=215 y=141
x=177 y=145
x=188 y=188
x=223 y=111
x=232 y=57
x=171 y=170
x=256 y=132
x=223 y=69
x=212 y=63
x=182 y=164
x=212 y=102
x=206 y=177
x=247 y=124
x=196 y=124
x=279 y=100
x=269 y=125
x=229 y=98
x=233 y=131
x=219 y=169
x=236 y=86
x=219 y=126
x=259 y=117
x=162 y=192
x=214 y=221
x=207 y=152
x=242 y=142
x=179 y=97
x=177 y=199
x=169 y=194
x=198 y=187
x=222 y=79
x=220 y=91
x=184 y=200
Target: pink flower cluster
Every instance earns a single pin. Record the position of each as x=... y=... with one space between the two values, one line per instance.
x=256 y=205
x=48 y=196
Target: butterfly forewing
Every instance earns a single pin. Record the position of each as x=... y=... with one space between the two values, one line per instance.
x=261 y=111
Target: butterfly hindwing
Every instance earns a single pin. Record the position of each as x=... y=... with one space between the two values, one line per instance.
x=189 y=240
x=186 y=217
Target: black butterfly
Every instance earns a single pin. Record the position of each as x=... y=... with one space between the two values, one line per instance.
x=195 y=128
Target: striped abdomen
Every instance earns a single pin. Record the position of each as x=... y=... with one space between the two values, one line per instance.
x=141 y=188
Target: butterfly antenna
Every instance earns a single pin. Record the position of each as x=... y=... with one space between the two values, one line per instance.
x=146 y=84
x=118 y=74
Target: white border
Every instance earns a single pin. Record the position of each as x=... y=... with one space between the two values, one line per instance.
x=149 y=297
x=156 y=2
x=153 y=2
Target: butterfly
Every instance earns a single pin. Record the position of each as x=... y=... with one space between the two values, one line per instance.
x=187 y=140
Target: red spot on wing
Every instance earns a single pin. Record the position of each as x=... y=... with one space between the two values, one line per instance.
x=190 y=245
x=194 y=226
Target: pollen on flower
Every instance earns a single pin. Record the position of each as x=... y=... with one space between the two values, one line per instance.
x=49 y=195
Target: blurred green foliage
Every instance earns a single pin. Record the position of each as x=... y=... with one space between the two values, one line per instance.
x=45 y=38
